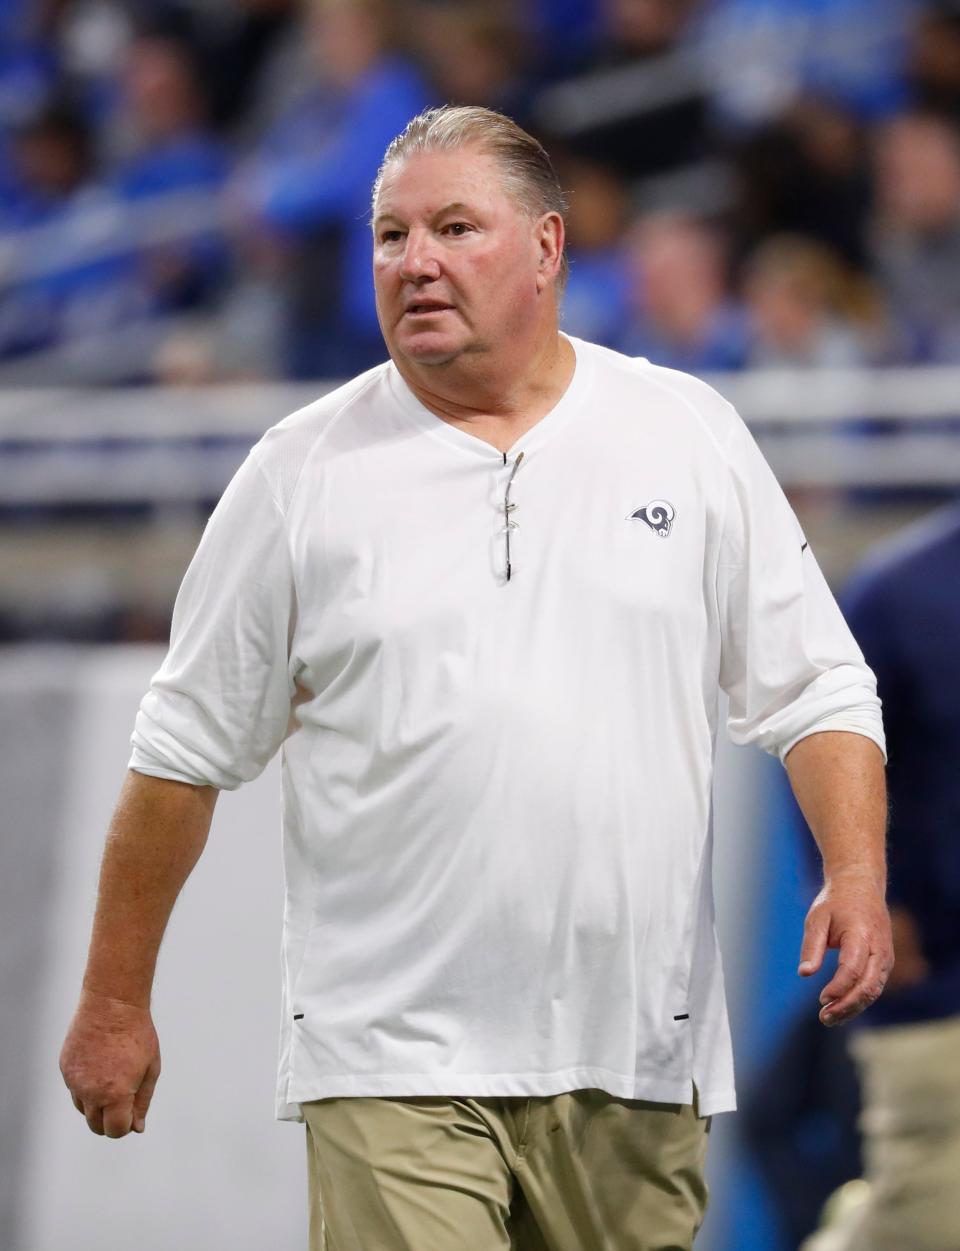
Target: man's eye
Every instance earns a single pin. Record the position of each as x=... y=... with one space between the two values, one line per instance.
x=458 y=228
x=391 y=236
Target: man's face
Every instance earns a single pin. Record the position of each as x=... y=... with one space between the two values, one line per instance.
x=918 y=174
x=457 y=265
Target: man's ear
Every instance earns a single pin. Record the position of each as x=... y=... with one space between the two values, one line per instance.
x=551 y=237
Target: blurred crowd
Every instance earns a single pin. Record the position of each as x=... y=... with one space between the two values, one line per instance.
x=184 y=184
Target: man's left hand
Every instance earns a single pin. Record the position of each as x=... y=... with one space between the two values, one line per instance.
x=849 y=913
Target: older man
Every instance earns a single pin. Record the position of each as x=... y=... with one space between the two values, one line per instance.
x=484 y=595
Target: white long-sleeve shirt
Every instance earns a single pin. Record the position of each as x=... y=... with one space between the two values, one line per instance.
x=496 y=794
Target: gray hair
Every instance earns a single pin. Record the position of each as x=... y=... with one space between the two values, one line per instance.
x=528 y=173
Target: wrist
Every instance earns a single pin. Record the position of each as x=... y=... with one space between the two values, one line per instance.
x=875 y=875
x=111 y=997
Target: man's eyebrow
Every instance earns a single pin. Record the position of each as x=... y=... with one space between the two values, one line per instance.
x=456 y=206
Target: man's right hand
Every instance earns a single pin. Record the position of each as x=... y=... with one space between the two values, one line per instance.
x=110 y=1062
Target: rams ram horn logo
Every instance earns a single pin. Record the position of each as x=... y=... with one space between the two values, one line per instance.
x=658 y=515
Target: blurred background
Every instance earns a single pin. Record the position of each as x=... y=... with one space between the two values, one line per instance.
x=763 y=192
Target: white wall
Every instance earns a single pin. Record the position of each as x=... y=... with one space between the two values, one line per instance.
x=214 y=1169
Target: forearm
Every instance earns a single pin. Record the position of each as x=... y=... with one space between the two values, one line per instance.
x=838 y=780
x=156 y=836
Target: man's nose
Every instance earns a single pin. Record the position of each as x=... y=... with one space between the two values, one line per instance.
x=419 y=261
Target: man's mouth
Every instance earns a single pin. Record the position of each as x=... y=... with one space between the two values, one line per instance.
x=421 y=307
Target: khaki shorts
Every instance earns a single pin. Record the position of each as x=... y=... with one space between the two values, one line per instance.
x=580 y=1171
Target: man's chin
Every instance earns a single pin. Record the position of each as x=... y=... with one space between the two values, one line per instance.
x=423 y=351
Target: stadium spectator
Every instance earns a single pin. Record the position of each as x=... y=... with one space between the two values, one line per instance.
x=236 y=45
x=806 y=310
x=915 y=234
x=242 y=339
x=172 y=173
x=640 y=105
x=596 y=299
x=643 y=28
x=28 y=74
x=309 y=183
x=682 y=314
x=284 y=73
x=27 y=62
x=806 y=172
x=934 y=62
x=474 y=53
x=250 y=56
x=69 y=272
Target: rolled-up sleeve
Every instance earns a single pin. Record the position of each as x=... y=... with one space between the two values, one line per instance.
x=789 y=663
x=219 y=706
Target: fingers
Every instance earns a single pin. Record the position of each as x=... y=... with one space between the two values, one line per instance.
x=853 y=989
x=94 y=1117
x=95 y=1120
x=117 y=1119
x=814 y=945
x=854 y=953
x=114 y=1120
x=141 y=1102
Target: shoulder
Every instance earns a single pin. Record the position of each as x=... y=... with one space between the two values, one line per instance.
x=678 y=393
x=284 y=449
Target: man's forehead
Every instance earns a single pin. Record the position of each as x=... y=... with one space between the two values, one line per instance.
x=430 y=182
x=388 y=211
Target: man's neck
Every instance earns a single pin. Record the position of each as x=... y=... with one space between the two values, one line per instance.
x=479 y=392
